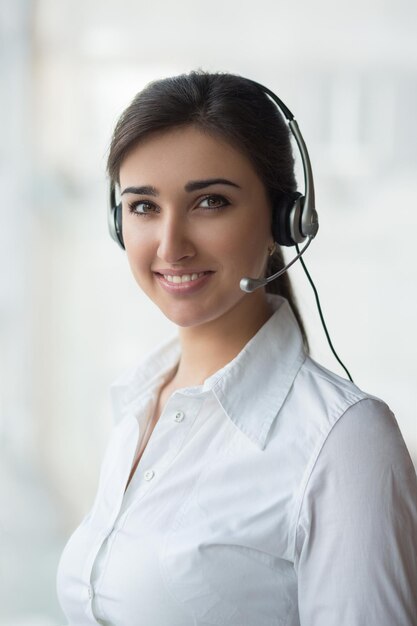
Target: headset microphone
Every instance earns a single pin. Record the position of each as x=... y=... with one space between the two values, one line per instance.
x=250 y=284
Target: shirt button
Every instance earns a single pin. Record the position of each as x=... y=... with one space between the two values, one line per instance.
x=90 y=592
x=179 y=416
x=149 y=474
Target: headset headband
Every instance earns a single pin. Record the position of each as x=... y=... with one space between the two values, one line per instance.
x=298 y=221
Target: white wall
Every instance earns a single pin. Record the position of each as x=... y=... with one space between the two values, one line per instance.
x=72 y=316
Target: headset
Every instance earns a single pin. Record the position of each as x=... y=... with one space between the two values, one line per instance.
x=295 y=222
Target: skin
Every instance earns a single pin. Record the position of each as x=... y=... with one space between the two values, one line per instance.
x=180 y=231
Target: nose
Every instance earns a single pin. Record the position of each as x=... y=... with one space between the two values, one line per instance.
x=174 y=241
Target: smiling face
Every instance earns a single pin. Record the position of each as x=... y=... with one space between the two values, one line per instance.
x=192 y=203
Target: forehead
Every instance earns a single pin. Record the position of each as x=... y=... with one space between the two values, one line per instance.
x=185 y=152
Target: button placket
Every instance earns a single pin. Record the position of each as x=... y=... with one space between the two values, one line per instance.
x=149 y=474
x=179 y=416
x=158 y=457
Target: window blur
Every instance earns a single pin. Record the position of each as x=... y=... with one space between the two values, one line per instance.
x=71 y=315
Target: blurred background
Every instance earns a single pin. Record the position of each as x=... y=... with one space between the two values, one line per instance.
x=71 y=315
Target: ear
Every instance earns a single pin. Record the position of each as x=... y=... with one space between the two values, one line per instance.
x=272 y=247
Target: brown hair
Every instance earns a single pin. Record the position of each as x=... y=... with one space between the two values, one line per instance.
x=228 y=106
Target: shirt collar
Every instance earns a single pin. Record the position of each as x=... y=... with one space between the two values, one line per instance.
x=251 y=388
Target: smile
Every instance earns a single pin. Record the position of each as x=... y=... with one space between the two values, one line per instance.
x=184 y=278
x=184 y=283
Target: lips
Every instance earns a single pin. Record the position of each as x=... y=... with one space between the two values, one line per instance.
x=178 y=287
x=172 y=272
x=189 y=276
x=183 y=278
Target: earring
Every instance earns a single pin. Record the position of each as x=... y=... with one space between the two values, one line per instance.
x=271 y=249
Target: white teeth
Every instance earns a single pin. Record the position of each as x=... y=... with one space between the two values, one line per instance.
x=185 y=278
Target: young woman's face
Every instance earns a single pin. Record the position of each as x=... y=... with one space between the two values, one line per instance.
x=192 y=203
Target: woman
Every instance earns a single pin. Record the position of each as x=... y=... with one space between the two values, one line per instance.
x=243 y=484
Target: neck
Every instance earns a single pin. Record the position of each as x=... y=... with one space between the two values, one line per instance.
x=208 y=347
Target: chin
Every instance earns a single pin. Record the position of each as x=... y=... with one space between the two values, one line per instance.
x=184 y=318
x=192 y=314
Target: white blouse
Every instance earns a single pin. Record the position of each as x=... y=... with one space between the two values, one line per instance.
x=276 y=493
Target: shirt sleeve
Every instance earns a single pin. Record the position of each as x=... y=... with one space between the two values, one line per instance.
x=356 y=539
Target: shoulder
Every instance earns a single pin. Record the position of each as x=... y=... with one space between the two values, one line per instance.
x=343 y=420
x=339 y=392
x=356 y=511
x=358 y=450
x=323 y=398
x=338 y=434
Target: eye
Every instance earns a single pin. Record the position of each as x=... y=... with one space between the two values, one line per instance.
x=213 y=202
x=141 y=207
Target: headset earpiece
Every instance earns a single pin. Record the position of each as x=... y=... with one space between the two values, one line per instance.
x=118 y=223
x=114 y=217
x=286 y=223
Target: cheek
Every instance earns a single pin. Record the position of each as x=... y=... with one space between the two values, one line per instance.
x=247 y=243
x=139 y=251
x=137 y=235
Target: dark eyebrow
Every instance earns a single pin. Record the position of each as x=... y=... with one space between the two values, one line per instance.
x=193 y=185
x=146 y=190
